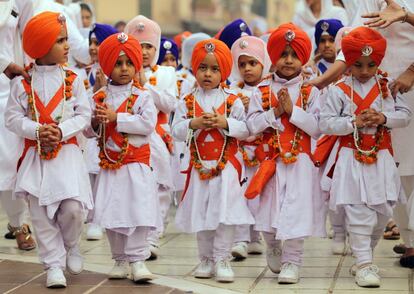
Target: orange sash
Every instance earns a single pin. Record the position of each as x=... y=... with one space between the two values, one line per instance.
x=134 y=154
x=162 y=119
x=367 y=140
x=212 y=150
x=45 y=113
x=267 y=166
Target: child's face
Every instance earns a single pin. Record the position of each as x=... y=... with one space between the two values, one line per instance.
x=148 y=54
x=86 y=18
x=250 y=70
x=327 y=48
x=169 y=60
x=93 y=49
x=288 y=66
x=364 y=69
x=124 y=71
x=208 y=74
x=58 y=54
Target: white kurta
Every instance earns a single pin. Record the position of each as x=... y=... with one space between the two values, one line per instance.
x=65 y=176
x=398 y=57
x=164 y=95
x=127 y=197
x=253 y=204
x=11 y=51
x=287 y=202
x=353 y=182
x=220 y=200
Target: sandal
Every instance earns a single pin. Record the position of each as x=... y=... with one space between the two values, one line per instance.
x=399 y=249
x=392 y=233
x=23 y=237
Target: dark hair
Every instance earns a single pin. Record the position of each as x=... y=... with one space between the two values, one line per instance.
x=86 y=7
x=120 y=23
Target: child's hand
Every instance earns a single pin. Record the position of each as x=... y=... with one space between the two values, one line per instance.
x=100 y=80
x=105 y=114
x=219 y=120
x=141 y=77
x=202 y=122
x=373 y=118
x=278 y=111
x=285 y=101
x=245 y=101
x=50 y=136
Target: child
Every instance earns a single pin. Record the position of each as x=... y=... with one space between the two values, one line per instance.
x=180 y=157
x=285 y=113
x=325 y=33
x=211 y=119
x=126 y=203
x=161 y=81
x=365 y=180
x=250 y=64
x=49 y=112
x=96 y=79
x=98 y=33
x=188 y=46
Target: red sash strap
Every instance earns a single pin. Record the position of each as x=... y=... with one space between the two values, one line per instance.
x=326 y=143
x=45 y=113
x=367 y=141
x=135 y=154
x=162 y=119
x=212 y=150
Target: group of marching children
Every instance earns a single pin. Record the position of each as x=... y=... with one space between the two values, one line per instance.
x=240 y=121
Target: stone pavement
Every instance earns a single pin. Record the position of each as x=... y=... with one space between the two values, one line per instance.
x=321 y=272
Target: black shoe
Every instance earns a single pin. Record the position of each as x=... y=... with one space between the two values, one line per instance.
x=9 y=236
x=407 y=261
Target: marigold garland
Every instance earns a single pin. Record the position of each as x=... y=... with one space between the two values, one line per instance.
x=68 y=80
x=105 y=161
x=288 y=157
x=370 y=156
x=204 y=173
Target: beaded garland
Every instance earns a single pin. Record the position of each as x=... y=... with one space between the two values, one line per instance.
x=67 y=94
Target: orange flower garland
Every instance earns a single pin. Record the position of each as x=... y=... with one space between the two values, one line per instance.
x=153 y=79
x=49 y=153
x=204 y=173
x=371 y=156
x=105 y=161
x=288 y=157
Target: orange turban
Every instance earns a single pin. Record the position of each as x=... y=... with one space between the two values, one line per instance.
x=41 y=33
x=289 y=34
x=110 y=49
x=178 y=39
x=220 y=51
x=363 y=41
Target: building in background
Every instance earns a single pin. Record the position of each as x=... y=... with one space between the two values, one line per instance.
x=195 y=15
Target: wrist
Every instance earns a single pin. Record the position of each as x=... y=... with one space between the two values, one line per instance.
x=404 y=14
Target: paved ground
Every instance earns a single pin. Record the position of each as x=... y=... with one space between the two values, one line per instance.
x=321 y=273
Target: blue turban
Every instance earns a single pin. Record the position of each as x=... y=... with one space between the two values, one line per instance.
x=233 y=31
x=327 y=26
x=167 y=46
x=102 y=31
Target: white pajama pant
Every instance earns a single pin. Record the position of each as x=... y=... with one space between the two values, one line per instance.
x=292 y=249
x=216 y=244
x=15 y=209
x=401 y=215
x=131 y=248
x=55 y=236
x=337 y=219
x=164 y=196
x=365 y=227
x=246 y=233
